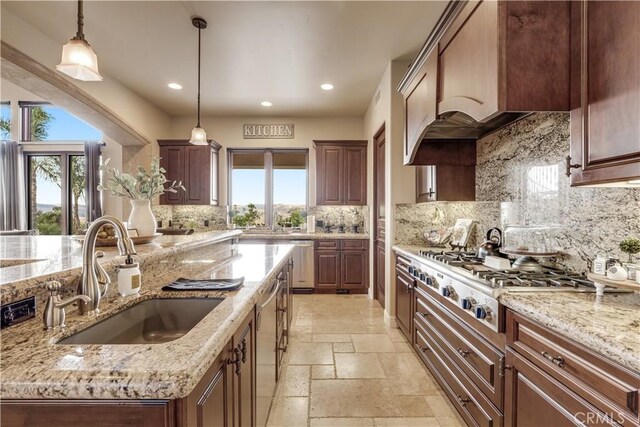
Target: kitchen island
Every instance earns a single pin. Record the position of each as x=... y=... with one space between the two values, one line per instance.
x=159 y=375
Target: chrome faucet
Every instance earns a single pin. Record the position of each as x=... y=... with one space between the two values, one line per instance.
x=54 y=314
x=95 y=281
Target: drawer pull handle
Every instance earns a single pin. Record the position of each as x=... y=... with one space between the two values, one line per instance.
x=463 y=353
x=559 y=361
x=463 y=402
x=423 y=314
x=423 y=349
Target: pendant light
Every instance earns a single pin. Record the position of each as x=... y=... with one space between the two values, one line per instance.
x=78 y=59
x=198 y=135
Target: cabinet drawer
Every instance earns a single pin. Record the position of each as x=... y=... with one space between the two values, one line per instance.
x=478 y=359
x=469 y=401
x=535 y=399
x=402 y=262
x=608 y=386
x=327 y=245
x=355 y=244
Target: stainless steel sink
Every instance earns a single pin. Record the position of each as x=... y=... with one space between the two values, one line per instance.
x=153 y=321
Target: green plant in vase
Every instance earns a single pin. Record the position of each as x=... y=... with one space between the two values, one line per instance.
x=140 y=188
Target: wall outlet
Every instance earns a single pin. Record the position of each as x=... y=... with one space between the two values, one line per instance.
x=17 y=312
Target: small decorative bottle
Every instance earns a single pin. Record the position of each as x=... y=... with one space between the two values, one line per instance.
x=129 y=277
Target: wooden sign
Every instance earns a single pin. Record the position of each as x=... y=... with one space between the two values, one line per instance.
x=267 y=131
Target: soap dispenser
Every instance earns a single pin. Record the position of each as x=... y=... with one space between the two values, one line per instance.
x=129 y=277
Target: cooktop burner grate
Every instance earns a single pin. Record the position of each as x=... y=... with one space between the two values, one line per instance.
x=547 y=278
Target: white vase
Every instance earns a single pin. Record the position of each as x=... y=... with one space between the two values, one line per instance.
x=141 y=218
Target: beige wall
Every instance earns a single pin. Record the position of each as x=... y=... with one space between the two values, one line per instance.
x=141 y=115
x=399 y=180
x=227 y=131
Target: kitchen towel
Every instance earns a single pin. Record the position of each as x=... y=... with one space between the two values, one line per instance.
x=205 y=285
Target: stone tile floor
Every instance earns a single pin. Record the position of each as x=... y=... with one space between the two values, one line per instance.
x=345 y=367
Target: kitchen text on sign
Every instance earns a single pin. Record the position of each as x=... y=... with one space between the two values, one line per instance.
x=267 y=131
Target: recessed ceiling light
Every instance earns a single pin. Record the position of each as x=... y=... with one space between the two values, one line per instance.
x=266 y=104
x=175 y=86
x=326 y=86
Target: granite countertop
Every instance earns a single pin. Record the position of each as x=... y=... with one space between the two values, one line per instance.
x=302 y=236
x=34 y=367
x=60 y=258
x=609 y=326
x=55 y=254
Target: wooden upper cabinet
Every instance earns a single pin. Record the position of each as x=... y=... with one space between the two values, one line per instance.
x=341 y=172
x=506 y=56
x=605 y=92
x=196 y=166
x=486 y=64
x=469 y=63
x=172 y=160
x=420 y=104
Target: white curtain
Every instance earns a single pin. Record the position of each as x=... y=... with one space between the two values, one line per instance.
x=12 y=202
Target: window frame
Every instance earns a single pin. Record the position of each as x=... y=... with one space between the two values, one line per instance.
x=65 y=202
x=268 y=170
x=8 y=104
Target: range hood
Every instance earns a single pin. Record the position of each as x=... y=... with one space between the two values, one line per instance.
x=458 y=125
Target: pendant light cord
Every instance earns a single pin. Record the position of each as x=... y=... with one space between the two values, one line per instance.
x=80 y=32
x=199 y=42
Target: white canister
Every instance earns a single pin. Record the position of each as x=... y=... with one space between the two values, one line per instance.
x=129 y=278
x=311 y=223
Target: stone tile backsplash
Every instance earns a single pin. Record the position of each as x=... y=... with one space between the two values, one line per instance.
x=520 y=180
x=348 y=216
x=193 y=216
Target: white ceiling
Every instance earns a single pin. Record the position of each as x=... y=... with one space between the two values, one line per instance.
x=252 y=51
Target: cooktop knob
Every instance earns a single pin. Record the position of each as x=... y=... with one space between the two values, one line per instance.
x=483 y=312
x=423 y=276
x=467 y=303
x=448 y=291
x=410 y=269
x=428 y=280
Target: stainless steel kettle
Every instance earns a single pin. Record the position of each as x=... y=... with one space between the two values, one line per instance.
x=492 y=244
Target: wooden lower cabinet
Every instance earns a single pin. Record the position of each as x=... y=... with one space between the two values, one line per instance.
x=535 y=399
x=581 y=386
x=341 y=264
x=404 y=297
x=98 y=413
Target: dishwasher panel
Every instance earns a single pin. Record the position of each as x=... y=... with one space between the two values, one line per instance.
x=303 y=264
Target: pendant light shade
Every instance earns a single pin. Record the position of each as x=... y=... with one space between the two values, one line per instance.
x=198 y=135
x=79 y=61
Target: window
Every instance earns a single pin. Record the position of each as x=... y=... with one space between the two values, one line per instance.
x=56 y=193
x=5 y=121
x=56 y=173
x=46 y=122
x=268 y=187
